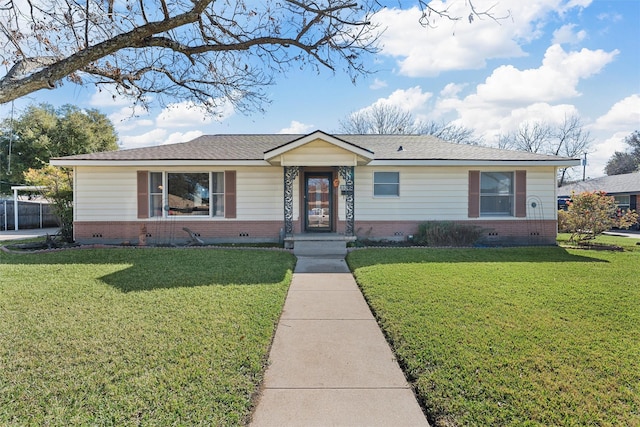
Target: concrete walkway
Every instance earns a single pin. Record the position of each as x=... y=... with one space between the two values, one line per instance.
x=330 y=365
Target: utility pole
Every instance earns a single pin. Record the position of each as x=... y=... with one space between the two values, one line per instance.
x=584 y=166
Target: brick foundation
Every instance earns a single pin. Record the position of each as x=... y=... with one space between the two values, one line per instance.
x=164 y=232
x=498 y=232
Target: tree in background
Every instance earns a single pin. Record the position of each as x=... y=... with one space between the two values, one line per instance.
x=567 y=139
x=379 y=119
x=204 y=51
x=57 y=188
x=628 y=161
x=42 y=132
x=591 y=213
x=450 y=132
x=391 y=120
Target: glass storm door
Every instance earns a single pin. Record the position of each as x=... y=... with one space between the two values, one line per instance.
x=318 y=201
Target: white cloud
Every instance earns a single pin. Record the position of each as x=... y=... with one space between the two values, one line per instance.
x=108 y=96
x=555 y=79
x=509 y=95
x=610 y=131
x=183 y=114
x=378 y=84
x=566 y=35
x=296 y=127
x=428 y=51
x=624 y=115
x=610 y=17
x=177 y=137
x=600 y=152
x=423 y=51
x=412 y=99
x=153 y=137
x=564 y=7
x=451 y=90
x=126 y=114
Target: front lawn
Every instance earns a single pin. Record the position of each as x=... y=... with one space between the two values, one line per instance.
x=512 y=336
x=136 y=336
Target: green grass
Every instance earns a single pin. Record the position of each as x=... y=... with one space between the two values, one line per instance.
x=136 y=336
x=512 y=336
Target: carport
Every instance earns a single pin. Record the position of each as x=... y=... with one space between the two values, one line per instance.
x=16 y=189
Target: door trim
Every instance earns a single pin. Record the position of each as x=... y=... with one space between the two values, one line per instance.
x=332 y=210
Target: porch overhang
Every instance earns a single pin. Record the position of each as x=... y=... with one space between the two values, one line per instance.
x=318 y=149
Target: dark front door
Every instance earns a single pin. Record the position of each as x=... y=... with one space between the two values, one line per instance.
x=318 y=201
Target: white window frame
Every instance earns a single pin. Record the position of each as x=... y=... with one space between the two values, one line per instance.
x=386 y=196
x=511 y=195
x=217 y=194
x=161 y=193
x=165 y=195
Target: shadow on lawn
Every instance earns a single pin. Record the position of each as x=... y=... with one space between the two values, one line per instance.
x=152 y=269
x=373 y=256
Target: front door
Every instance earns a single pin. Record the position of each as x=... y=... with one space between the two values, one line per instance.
x=318 y=201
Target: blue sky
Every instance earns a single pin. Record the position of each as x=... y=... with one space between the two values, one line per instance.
x=552 y=58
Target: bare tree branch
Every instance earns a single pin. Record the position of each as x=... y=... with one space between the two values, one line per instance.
x=184 y=49
x=568 y=139
x=389 y=119
x=429 y=13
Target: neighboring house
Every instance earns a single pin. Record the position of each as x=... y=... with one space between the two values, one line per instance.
x=624 y=188
x=235 y=188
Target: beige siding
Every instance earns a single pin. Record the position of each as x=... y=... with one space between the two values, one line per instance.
x=440 y=193
x=319 y=153
x=541 y=190
x=110 y=194
x=105 y=194
x=426 y=193
x=260 y=193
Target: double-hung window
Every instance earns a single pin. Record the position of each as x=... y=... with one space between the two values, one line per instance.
x=496 y=194
x=186 y=194
x=156 y=188
x=386 y=184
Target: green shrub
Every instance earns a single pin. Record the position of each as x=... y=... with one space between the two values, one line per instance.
x=445 y=233
x=592 y=212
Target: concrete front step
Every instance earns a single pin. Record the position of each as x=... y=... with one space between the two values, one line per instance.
x=319 y=248
x=318 y=244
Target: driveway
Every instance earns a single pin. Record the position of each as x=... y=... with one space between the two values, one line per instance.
x=27 y=233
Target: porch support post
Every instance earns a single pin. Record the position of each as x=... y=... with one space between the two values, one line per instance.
x=290 y=174
x=15 y=209
x=347 y=173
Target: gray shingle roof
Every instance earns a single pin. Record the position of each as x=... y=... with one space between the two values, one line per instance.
x=614 y=184
x=253 y=147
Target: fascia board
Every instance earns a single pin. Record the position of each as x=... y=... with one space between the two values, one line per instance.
x=270 y=154
x=149 y=163
x=556 y=163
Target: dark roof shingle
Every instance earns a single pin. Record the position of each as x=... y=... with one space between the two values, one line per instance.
x=614 y=184
x=253 y=147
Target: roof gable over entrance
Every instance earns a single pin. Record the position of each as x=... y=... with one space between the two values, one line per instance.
x=318 y=149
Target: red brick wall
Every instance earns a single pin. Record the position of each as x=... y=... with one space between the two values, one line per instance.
x=209 y=231
x=497 y=231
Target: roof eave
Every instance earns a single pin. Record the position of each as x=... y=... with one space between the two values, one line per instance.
x=154 y=163
x=355 y=149
x=443 y=162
